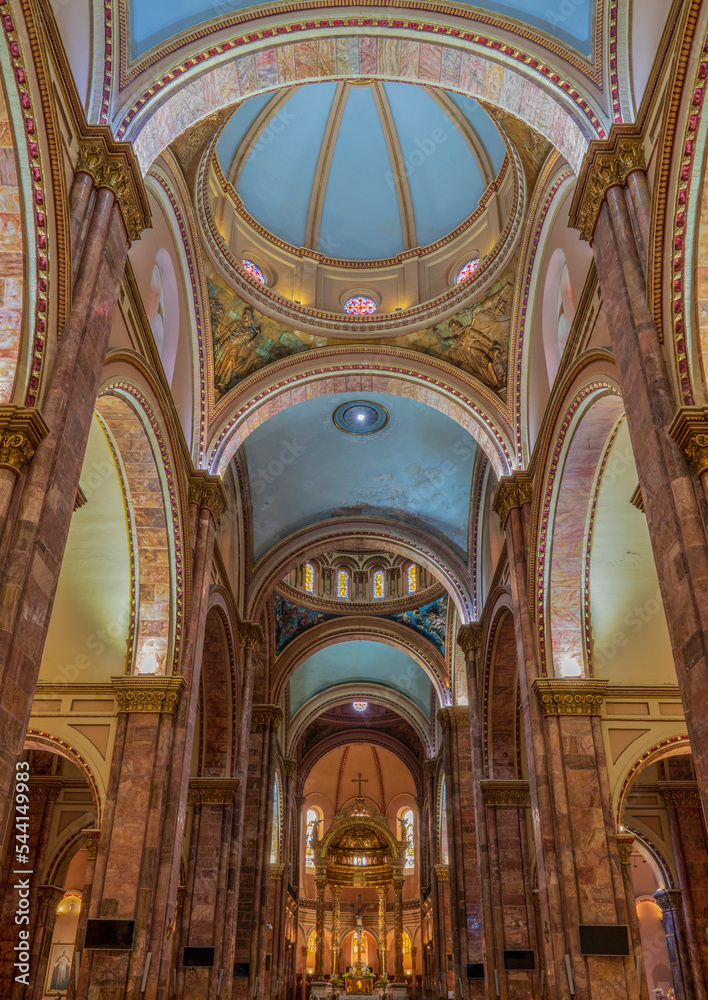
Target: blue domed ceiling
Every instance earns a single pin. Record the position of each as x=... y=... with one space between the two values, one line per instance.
x=360 y=171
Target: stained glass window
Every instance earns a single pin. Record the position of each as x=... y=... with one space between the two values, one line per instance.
x=360 y=305
x=275 y=828
x=405 y=830
x=467 y=271
x=412 y=578
x=360 y=706
x=309 y=577
x=254 y=270
x=312 y=942
x=378 y=583
x=406 y=943
x=311 y=819
x=342 y=583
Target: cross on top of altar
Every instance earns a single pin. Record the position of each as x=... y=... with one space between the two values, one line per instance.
x=359 y=805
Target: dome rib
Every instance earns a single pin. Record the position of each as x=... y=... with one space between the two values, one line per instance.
x=324 y=162
x=398 y=167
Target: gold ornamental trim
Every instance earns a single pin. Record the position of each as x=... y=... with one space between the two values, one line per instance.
x=45 y=789
x=689 y=429
x=212 y=791
x=208 y=492
x=454 y=715
x=625 y=846
x=680 y=794
x=570 y=697
x=442 y=873
x=469 y=637
x=267 y=715
x=250 y=635
x=608 y=163
x=21 y=430
x=51 y=895
x=505 y=793
x=113 y=165
x=513 y=491
x=91 y=841
x=276 y=872
x=147 y=694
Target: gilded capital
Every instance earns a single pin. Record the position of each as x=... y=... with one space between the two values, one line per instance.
x=505 y=793
x=212 y=791
x=442 y=873
x=51 y=895
x=276 y=872
x=608 y=162
x=570 y=697
x=250 y=635
x=289 y=766
x=625 y=846
x=454 y=715
x=114 y=165
x=469 y=637
x=668 y=899
x=208 y=492
x=147 y=693
x=21 y=430
x=689 y=429
x=91 y=841
x=45 y=789
x=267 y=715
x=680 y=794
x=513 y=491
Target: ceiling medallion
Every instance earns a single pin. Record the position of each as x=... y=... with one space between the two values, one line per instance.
x=360 y=416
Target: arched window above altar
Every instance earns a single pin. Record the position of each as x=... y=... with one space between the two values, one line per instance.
x=405 y=832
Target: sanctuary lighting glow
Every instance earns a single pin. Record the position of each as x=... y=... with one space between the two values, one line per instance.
x=467 y=271
x=254 y=270
x=360 y=305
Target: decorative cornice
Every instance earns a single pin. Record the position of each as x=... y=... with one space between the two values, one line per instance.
x=454 y=715
x=213 y=791
x=267 y=715
x=669 y=899
x=680 y=794
x=276 y=872
x=689 y=429
x=208 y=492
x=114 y=165
x=250 y=635
x=625 y=846
x=570 y=697
x=147 y=694
x=505 y=793
x=513 y=491
x=469 y=637
x=442 y=873
x=21 y=430
x=92 y=838
x=45 y=789
x=608 y=162
x=51 y=895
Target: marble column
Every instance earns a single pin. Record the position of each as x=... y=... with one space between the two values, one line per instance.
x=91 y=841
x=671 y=903
x=336 y=891
x=320 y=882
x=437 y=942
x=48 y=899
x=37 y=527
x=278 y=976
x=398 y=927
x=625 y=845
x=612 y=207
x=465 y=896
x=688 y=839
x=382 y=891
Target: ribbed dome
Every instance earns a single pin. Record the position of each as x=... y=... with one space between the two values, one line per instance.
x=360 y=171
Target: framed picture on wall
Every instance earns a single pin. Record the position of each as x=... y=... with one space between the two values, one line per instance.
x=59 y=967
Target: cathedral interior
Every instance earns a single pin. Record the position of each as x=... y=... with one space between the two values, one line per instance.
x=353 y=500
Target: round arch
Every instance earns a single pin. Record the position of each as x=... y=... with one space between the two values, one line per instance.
x=39 y=739
x=218 y=702
x=500 y=697
x=672 y=745
x=350 y=737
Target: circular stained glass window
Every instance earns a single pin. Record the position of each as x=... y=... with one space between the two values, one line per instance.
x=360 y=706
x=467 y=271
x=254 y=270
x=360 y=416
x=360 y=305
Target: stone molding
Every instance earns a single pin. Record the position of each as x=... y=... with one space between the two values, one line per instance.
x=608 y=163
x=51 y=895
x=276 y=872
x=625 y=846
x=669 y=899
x=442 y=873
x=207 y=492
x=21 y=430
x=469 y=637
x=454 y=715
x=113 y=165
x=505 y=793
x=250 y=635
x=45 y=789
x=147 y=693
x=570 y=697
x=267 y=715
x=91 y=841
x=689 y=429
x=213 y=791
x=513 y=491
x=680 y=794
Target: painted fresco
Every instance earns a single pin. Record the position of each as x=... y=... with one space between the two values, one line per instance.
x=477 y=338
x=429 y=621
x=244 y=340
x=291 y=620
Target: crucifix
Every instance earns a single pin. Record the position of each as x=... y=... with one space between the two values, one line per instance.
x=361 y=781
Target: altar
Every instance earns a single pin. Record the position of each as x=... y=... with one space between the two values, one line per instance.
x=360 y=980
